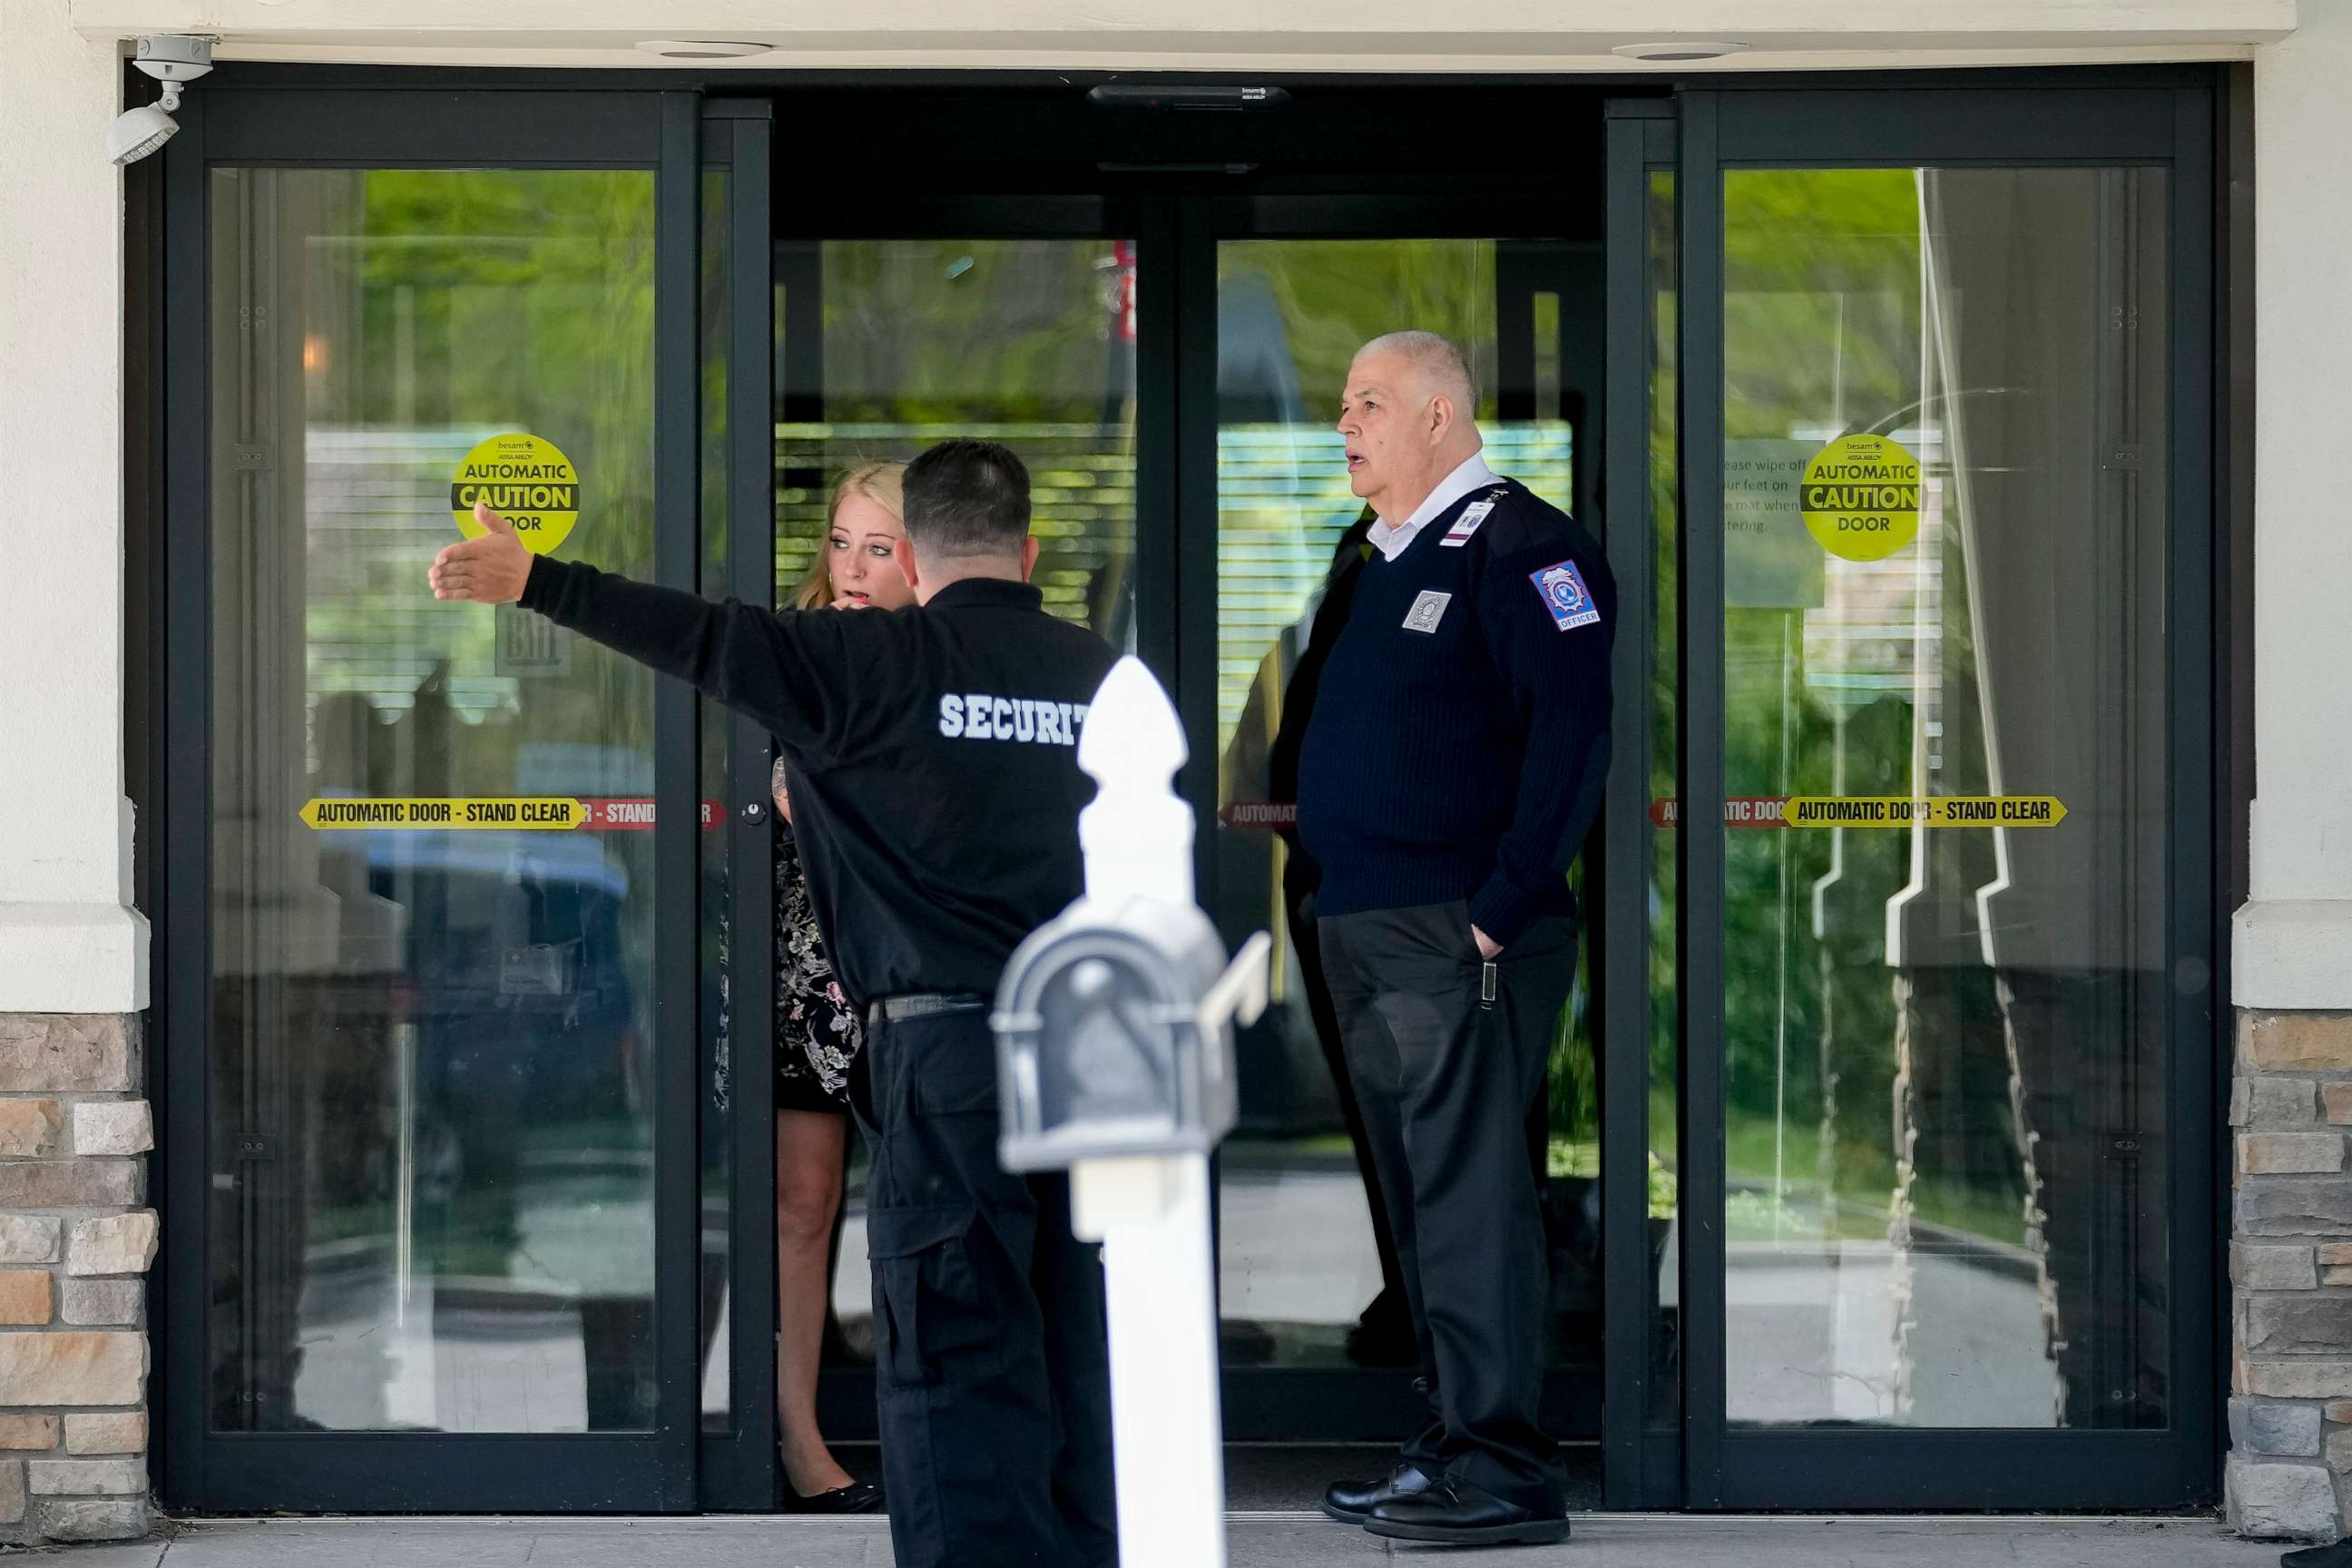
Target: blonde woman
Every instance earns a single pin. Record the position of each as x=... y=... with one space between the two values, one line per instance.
x=818 y=1034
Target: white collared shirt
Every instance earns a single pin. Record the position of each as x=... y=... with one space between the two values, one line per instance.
x=1391 y=538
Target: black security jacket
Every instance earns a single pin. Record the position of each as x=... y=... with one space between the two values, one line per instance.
x=933 y=752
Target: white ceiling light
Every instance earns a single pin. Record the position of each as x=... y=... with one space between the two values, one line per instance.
x=701 y=49
x=1677 y=51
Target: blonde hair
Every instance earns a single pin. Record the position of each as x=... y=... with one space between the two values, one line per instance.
x=882 y=483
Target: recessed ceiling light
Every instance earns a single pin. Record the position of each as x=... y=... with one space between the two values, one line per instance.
x=1691 y=51
x=700 y=48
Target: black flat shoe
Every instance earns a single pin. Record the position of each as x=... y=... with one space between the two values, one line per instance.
x=1350 y=1501
x=2335 y=1554
x=857 y=1497
x=1453 y=1512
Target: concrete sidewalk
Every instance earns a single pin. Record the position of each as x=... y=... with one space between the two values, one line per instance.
x=1259 y=1540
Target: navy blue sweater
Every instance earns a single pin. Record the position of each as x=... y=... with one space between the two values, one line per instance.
x=1459 y=743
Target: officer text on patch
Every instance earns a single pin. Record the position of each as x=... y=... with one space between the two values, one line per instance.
x=1561 y=588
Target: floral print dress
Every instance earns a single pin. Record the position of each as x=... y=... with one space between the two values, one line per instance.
x=817 y=1031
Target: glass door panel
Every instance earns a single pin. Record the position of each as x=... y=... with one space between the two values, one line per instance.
x=884 y=347
x=1946 y=991
x=431 y=999
x=1304 y=1282
x=1636 y=920
x=717 y=1089
x=887 y=346
x=737 y=1452
x=1655 y=760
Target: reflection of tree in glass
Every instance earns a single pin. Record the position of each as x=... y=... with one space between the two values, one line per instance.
x=1823 y=334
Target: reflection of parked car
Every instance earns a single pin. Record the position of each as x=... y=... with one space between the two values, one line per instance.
x=514 y=955
x=520 y=997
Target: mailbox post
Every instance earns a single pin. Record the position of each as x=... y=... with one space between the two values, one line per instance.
x=1115 y=1060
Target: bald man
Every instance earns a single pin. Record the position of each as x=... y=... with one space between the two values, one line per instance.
x=1451 y=770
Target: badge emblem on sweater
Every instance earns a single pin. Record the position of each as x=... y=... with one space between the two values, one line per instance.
x=1425 y=611
x=1563 y=593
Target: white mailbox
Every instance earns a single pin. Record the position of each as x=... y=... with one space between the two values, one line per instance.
x=1109 y=1040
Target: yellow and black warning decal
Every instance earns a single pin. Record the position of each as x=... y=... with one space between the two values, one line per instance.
x=1932 y=811
x=1860 y=497
x=525 y=478
x=553 y=813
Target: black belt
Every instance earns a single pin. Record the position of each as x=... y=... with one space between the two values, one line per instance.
x=923 y=1004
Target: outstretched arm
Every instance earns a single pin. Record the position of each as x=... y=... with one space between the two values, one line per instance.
x=769 y=666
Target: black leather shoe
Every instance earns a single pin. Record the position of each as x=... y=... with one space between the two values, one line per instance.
x=1450 y=1511
x=2337 y=1555
x=1350 y=1501
x=857 y=1497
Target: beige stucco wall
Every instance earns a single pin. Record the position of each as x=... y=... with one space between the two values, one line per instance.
x=67 y=941
x=2293 y=940
x=1322 y=35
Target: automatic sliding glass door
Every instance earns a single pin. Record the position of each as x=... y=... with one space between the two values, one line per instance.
x=1945 y=581
x=1317 y=1337
x=1874 y=1146
x=431 y=1001
x=884 y=344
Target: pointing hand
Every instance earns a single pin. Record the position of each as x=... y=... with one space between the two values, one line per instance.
x=490 y=570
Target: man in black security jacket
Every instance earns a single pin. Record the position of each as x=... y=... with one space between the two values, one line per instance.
x=1453 y=763
x=936 y=793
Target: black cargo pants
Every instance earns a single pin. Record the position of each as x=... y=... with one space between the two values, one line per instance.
x=1445 y=1083
x=991 y=1362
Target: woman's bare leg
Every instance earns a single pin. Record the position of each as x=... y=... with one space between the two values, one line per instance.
x=808 y=1191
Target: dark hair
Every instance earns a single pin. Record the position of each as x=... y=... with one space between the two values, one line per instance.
x=967 y=497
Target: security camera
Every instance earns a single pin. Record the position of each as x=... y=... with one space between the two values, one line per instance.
x=172 y=58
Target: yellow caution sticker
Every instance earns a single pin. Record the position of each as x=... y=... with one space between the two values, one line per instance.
x=525 y=478
x=1860 y=497
x=555 y=814
x=1934 y=811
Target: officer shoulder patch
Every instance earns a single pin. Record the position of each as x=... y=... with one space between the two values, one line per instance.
x=1561 y=588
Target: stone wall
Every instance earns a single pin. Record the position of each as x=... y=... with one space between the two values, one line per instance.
x=75 y=1245
x=2290 y=1468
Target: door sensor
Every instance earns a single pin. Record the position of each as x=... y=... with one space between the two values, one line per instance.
x=1197 y=99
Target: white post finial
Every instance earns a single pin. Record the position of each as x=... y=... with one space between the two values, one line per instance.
x=1137 y=833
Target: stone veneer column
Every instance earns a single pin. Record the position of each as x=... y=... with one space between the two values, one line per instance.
x=74 y=1246
x=2290 y=1468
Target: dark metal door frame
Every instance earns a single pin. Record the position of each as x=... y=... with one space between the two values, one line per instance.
x=394 y=1471
x=360 y=116
x=1641 y=1462
x=738 y=1467
x=1869 y=124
